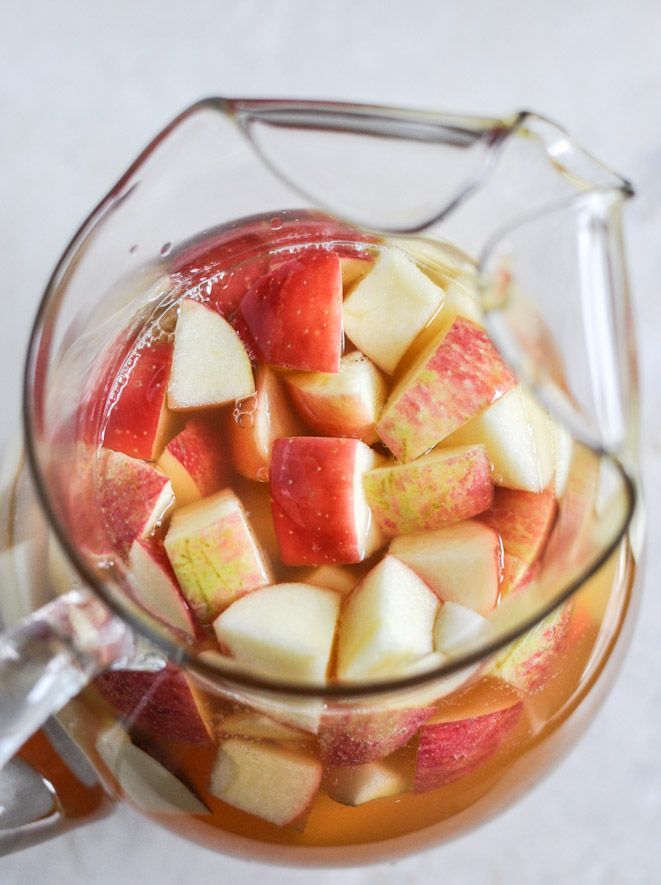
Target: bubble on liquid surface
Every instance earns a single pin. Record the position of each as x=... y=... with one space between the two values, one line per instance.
x=276 y=223
x=166 y=248
x=263 y=474
x=243 y=419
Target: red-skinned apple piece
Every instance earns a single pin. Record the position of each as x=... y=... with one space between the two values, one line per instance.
x=461 y=562
x=257 y=422
x=275 y=783
x=455 y=378
x=523 y=521
x=347 y=404
x=214 y=554
x=154 y=585
x=210 y=366
x=456 y=742
x=196 y=460
x=163 y=704
x=444 y=487
x=294 y=314
x=138 y=421
x=132 y=497
x=365 y=735
x=319 y=508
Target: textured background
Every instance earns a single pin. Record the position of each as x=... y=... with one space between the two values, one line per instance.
x=84 y=85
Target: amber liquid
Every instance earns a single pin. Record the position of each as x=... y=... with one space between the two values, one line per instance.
x=552 y=717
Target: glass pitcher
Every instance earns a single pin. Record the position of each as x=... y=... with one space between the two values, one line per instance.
x=510 y=219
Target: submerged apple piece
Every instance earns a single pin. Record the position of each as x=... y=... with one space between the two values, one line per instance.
x=518 y=437
x=347 y=404
x=532 y=660
x=319 y=507
x=456 y=625
x=257 y=422
x=365 y=735
x=139 y=422
x=455 y=743
x=132 y=496
x=266 y=780
x=144 y=781
x=387 y=622
x=444 y=487
x=387 y=309
x=163 y=704
x=455 y=378
x=354 y=267
x=524 y=521
x=259 y=726
x=196 y=460
x=210 y=365
x=332 y=577
x=214 y=554
x=286 y=631
x=461 y=562
x=294 y=314
x=358 y=784
x=155 y=586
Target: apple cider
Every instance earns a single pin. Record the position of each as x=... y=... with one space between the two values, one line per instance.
x=310 y=463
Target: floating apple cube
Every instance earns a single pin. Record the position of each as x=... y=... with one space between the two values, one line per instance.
x=154 y=585
x=210 y=365
x=454 y=379
x=358 y=784
x=139 y=422
x=294 y=314
x=132 y=496
x=284 y=631
x=145 y=782
x=518 y=437
x=347 y=404
x=257 y=422
x=389 y=307
x=444 y=487
x=196 y=460
x=163 y=704
x=461 y=562
x=214 y=554
x=365 y=735
x=453 y=745
x=387 y=622
x=274 y=783
x=456 y=625
x=319 y=507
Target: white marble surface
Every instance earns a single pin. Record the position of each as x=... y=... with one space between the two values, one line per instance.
x=84 y=85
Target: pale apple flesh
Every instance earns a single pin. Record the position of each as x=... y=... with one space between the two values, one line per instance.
x=155 y=586
x=357 y=784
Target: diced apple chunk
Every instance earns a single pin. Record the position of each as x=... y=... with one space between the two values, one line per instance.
x=459 y=375
x=293 y=315
x=518 y=437
x=214 y=554
x=210 y=365
x=354 y=268
x=132 y=495
x=319 y=507
x=387 y=309
x=258 y=726
x=286 y=631
x=257 y=422
x=268 y=781
x=387 y=622
x=456 y=625
x=196 y=461
x=347 y=404
x=144 y=781
x=332 y=577
x=139 y=422
x=358 y=784
x=444 y=487
x=366 y=734
x=155 y=586
x=461 y=562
